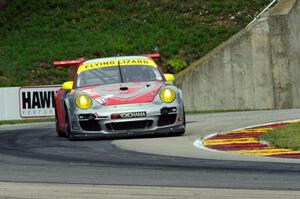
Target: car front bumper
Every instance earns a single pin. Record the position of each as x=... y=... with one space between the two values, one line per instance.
x=159 y=119
x=159 y=131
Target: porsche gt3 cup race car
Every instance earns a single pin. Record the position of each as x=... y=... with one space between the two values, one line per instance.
x=118 y=96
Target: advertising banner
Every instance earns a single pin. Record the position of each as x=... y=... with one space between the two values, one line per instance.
x=9 y=103
x=37 y=101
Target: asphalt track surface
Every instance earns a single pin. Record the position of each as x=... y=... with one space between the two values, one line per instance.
x=34 y=154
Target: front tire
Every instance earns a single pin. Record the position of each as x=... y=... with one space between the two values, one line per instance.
x=68 y=131
x=59 y=132
x=184 y=123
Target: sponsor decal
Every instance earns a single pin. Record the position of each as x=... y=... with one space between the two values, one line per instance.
x=102 y=100
x=129 y=115
x=134 y=61
x=106 y=63
x=37 y=101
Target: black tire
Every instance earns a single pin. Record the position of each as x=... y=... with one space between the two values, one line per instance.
x=179 y=133
x=184 y=123
x=68 y=133
x=59 y=132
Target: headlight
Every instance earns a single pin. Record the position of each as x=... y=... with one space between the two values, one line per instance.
x=83 y=101
x=167 y=95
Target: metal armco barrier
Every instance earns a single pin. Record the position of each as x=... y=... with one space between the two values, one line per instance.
x=27 y=102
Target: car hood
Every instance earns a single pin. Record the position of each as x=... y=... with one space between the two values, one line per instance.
x=123 y=93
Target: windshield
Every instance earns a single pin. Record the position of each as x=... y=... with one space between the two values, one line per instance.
x=115 y=74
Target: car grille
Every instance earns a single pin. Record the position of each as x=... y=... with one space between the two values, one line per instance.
x=165 y=120
x=91 y=125
x=144 y=124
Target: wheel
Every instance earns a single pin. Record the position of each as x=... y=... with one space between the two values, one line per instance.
x=184 y=123
x=59 y=132
x=68 y=131
x=179 y=133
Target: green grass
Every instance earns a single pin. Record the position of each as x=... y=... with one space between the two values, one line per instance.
x=34 y=33
x=26 y=121
x=285 y=137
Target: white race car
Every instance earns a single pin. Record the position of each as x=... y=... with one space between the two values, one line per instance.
x=118 y=96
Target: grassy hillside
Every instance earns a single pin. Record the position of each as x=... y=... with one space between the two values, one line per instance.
x=34 y=33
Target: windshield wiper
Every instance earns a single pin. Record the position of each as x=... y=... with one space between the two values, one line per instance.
x=121 y=76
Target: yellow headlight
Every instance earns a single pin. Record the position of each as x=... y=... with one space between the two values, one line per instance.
x=167 y=95
x=83 y=101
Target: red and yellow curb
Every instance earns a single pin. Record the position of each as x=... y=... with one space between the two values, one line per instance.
x=247 y=142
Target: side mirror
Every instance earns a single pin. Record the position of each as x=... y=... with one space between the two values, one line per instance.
x=169 y=78
x=67 y=85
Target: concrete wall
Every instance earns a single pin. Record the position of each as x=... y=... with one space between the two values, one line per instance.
x=258 y=68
